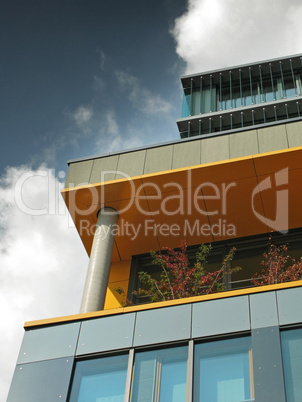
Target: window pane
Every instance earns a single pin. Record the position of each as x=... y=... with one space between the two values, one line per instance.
x=100 y=380
x=222 y=371
x=160 y=375
x=292 y=363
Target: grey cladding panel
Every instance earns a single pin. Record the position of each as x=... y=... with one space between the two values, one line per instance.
x=243 y=144
x=267 y=365
x=131 y=164
x=78 y=174
x=106 y=333
x=186 y=154
x=46 y=381
x=49 y=343
x=263 y=310
x=104 y=169
x=294 y=134
x=163 y=325
x=215 y=149
x=272 y=138
x=220 y=316
x=289 y=306
x=158 y=159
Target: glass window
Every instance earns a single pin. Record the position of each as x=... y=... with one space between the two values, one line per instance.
x=160 y=375
x=100 y=380
x=222 y=371
x=292 y=363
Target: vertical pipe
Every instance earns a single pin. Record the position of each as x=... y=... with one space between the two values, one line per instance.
x=210 y=125
x=286 y=109
x=275 y=111
x=264 y=115
x=220 y=121
x=231 y=120
x=189 y=129
x=253 y=117
x=199 y=127
x=298 y=108
x=242 y=119
x=272 y=80
x=100 y=261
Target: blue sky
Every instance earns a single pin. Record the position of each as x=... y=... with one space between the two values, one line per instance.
x=86 y=77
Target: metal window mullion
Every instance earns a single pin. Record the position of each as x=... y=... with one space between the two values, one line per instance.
x=282 y=80
x=240 y=86
x=242 y=122
x=251 y=84
x=231 y=120
x=189 y=129
x=191 y=103
x=261 y=85
x=264 y=115
x=220 y=123
x=286 y=109
x=253 y=117
x=231 y=99
x=129 y=375
x=293 y=76
x=211 y=94
x=220 y=91
x=275 y=111
x=298 y=109
x=190 y=370
x=201 y=97
x=210 y=125
x=272 y=80
x=199 y=127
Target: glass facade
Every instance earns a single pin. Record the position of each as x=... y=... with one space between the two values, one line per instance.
x=242 y=97
x=160 y=375
x=100 y=380
x=292 y=363
x=222 y=371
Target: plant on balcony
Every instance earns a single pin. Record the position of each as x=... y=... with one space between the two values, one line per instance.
x=279 y=267
x=180 y=279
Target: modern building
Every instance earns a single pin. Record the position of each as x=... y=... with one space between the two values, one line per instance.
x=233 y=179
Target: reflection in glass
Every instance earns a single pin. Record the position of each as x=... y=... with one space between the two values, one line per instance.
x=292 y=363
x=222 y=371
x=100 y=380
x=160 y=375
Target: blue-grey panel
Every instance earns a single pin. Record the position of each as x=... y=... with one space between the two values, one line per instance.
x=106 y=333
x=289 y=306
x=49 y=343
x=263 y=307
x=220 y=316
x=267 y=365
x=46 y=381
x=163 y=325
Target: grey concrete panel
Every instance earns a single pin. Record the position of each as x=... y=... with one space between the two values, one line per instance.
x=46 y=381
x=215 y=149
x=294 y=134
x=104 y=169
x=263 y=308
x=78 y=174
x=158 y=159
x=267 y=365
x=49 y=343
x=243 y=144
x=186 y=154
x=289 y=306
x=106 y=333
x=131 y=164
x=220 y=316
x=272 y=138
x=163 y=325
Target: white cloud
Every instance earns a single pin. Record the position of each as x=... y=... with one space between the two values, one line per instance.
x=219 y=33
x=103 y=58
x=42 y=261
x=98 y=83
x=142 y=98
x=82 y=115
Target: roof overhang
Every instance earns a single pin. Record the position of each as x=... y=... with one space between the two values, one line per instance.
x=203 y=203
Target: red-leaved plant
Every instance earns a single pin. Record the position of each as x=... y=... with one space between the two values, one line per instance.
x=279 y=267
x=180 y=279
